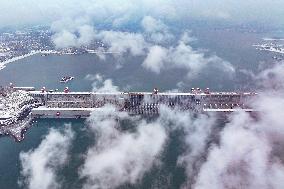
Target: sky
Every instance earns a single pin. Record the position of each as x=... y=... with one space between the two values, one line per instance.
x=17 y=12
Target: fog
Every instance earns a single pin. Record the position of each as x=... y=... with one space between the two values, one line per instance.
x=245 y=153
x=120 y=12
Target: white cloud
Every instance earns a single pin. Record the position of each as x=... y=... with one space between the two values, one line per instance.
x=66 y=38
x=160 y=58
x=123 y=42
x=198 y=133
x=75 y=27
x=106 y=87
x=86 y=33
x=150 y=24
x=156 y=31
x=185 y=57
x=120 y=157
x=271 y=78
x=237 y=11
x=249 y=154
x=69 y=24
x=244 y=159
x=92 y=77
x=101 y=85
x=119 y=13
x=39 y=166
x=156 y=59
x=197 y=130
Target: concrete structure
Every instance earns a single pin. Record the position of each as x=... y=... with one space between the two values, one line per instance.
x=49 y=104
x=24 y=88
x=141 y=102
x=44 y=112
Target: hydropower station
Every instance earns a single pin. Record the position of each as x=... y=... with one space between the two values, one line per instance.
x=19 y=106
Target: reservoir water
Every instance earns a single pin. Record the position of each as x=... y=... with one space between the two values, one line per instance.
x=127 y=73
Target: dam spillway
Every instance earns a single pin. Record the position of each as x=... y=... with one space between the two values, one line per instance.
x=21 y=105
x=79 y=104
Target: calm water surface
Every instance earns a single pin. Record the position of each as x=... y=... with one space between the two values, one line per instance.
x=46 y=71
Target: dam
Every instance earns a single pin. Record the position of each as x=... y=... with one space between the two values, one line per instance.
x=20 y=105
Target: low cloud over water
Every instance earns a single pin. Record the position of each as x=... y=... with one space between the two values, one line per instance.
x=245 y=153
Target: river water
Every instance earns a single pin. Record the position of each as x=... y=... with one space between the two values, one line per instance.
x=128 y=74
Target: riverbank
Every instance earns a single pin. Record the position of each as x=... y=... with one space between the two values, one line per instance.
x=3 y=64
x=49 y=52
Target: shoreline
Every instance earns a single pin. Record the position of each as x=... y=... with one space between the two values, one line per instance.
x=272 y=39
x=3 y=64
x=47 y=52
